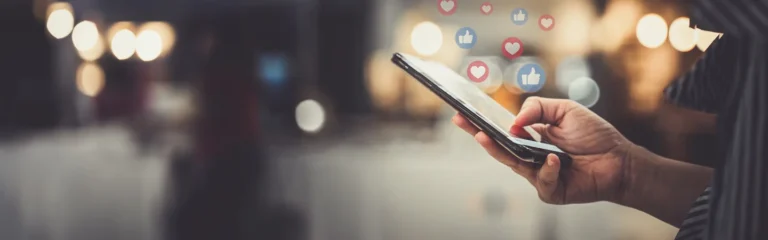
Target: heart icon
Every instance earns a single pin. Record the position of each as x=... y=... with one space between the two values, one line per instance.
x=477 y=71
x=486 y=8
x=546 y=22
x=446 y=7
x=512 y=48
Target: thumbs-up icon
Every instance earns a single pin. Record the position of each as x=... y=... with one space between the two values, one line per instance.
x=466 y=38
x=519 y=16
x=531 y=77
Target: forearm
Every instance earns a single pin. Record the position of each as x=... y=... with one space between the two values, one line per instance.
x=661 y=187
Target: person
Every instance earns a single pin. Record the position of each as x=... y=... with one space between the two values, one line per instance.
x=724 y=200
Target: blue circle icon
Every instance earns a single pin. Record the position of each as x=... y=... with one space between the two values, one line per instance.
x=531 y=77
x=519 y=16
x=466 y=38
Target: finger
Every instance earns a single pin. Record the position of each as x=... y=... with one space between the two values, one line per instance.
x=503 y=156
x=519 y=132
x=547 y=178
x=542 y=110
x=538 y=127
x=464 y=124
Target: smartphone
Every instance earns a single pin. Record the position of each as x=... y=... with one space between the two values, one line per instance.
x=479 y=108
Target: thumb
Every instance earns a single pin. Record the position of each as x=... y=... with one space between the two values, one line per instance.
x=533 y=71
x=466 y=33
x=547 y=179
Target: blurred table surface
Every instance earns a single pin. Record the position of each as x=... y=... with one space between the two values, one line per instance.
x=395 y=181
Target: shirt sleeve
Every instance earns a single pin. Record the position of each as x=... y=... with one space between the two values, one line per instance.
x=745 y=18
x=696 y=220
x=707 y=83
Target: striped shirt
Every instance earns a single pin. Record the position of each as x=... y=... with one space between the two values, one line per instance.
x=731 y=81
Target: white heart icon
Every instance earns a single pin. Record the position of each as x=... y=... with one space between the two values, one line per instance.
x=512 y=48
x=447 y=5
x=486 y=8
x=546 y=22
x=477 y=71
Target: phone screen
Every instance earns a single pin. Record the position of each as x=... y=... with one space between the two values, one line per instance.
x=467 y=94
x=461 y=91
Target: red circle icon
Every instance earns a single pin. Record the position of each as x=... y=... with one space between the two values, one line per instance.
x=486 y=8
x=512 y=48
x=446 y=7
x=546 y=22
x=478 y=71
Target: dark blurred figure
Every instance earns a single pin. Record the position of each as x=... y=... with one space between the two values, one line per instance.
x=220 y=187
x=27 y=89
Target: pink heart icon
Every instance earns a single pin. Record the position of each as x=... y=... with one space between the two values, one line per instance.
x=486 y=8
x=512 y=48
x=446 y=7
x=478 y=71
x=546 y=22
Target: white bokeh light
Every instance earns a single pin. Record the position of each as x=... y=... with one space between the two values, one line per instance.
x=90 y=79
x=85 y=36
x=681 y=35
x=94 y=53
x=651 y=30
x=149 y=45
x=61 y=20
x=123 y=44
x=585 y=91
x=426 y=38
x=166 y=32
x=310 y=116
x=570 y=69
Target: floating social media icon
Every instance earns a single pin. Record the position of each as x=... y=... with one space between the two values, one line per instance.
x=531 y=77
x=483 y=72
x=446 y=7
x=519 y=16
x=546 y=22
x=478 y=71
x=486 y=8
x=512 y=48
x=466 y=38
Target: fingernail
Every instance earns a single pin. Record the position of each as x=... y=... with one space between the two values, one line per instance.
x=550 y=162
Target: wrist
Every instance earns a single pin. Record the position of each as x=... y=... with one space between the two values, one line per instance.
x=638 y=165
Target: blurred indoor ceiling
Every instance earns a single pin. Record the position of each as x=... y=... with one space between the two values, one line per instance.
x=169 y=10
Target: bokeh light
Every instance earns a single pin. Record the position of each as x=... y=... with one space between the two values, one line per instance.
x=310 y=116
x=611 y=30
x=123 y=44
x=93 y=53
x=149 y=45
x=705 y=38
x=166 y=32
x=85 y=35
x=571 y=35
x=681 y=35
x=90 y=79
x=651 y=30
x=384 y=81
x=61 y=19
x=570 y=69
x=585 y=91
x=426 y=38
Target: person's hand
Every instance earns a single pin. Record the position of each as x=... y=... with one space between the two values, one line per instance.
x=599 y=168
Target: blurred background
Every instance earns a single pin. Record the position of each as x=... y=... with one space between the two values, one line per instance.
x=285 y=119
